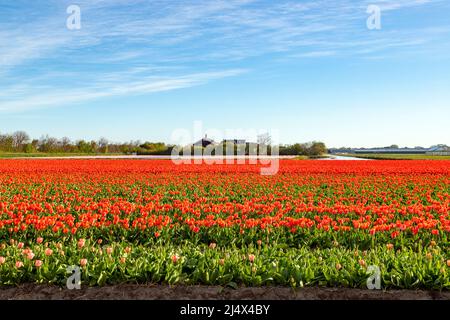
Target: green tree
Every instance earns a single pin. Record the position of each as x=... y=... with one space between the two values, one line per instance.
x=317 y=148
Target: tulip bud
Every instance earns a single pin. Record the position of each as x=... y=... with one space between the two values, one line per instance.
x=81 y=243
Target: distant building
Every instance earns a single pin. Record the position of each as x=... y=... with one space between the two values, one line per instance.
x=234 y=141
x=392 y=150
x=439 y=150
x=204 y=142
x=340 y=150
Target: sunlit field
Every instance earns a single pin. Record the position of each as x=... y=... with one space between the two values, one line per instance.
x=315 y=223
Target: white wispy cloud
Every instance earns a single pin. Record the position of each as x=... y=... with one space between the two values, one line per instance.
x=387 y=5
x=106 y=88
x=150 y=46
x=314 y=54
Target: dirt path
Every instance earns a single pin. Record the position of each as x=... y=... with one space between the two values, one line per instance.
x=163 y=292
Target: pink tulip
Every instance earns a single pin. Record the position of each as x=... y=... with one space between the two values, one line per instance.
x=38 y=263
x=19 y=264
x=2 y=260
x=81 y=243
x=83 y=262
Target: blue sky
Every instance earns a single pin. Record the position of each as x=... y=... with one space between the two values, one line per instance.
x=310 y=70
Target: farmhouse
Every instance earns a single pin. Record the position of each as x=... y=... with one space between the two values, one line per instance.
x=204 y=142
x=234 y=141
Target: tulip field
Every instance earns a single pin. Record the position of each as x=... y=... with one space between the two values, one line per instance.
x=314 y=223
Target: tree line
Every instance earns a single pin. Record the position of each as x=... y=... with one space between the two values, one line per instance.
x=315 y=148
x=20 y=142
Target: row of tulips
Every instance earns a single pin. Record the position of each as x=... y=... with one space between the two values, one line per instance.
x=255 y=265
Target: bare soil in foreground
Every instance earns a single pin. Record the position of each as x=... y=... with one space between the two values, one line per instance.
x=165 y=292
